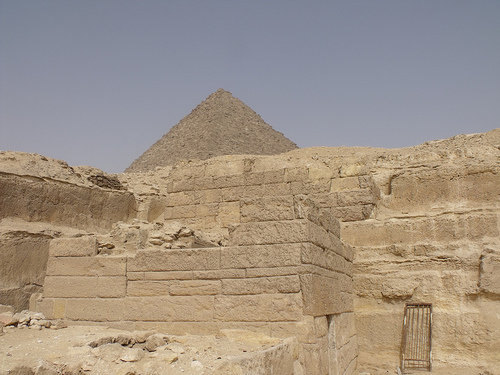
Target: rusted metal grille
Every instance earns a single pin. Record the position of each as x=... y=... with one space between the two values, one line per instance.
x=417 y=332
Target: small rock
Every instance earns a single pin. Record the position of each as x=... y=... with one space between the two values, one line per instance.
x=101 y=341
x=176 y=348
x=156 y=241
x=196 y=365
x=6 y=319
x=185 y=232
x=38 y=316
x=35 y=326
x=141 y=336
x=155 y=341
x=124 y=340
x=45 y=323
x=132 y=355
x=59 y=324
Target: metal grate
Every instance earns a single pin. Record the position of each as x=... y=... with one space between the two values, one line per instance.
x=417 y=332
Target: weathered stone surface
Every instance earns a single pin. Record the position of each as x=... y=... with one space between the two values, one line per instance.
x=174 y=260
x=261 y=285
x=86 y=266
x=263 y=307
x=489 y=278
x=278 y=255
x=73 y=247
x=267 y=209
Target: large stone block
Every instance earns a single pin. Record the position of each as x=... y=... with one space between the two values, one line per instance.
x=271 y=233
x=175 y=260
x=228 y=213
x=342 y=326
x=326 y=295
x=267 y=209
x=86 y=266
x=325 y=258
x=70 y=286
x=148 y=288
x=262 y=285
x=259 y=308
x=346 y=183
x=73 y=247
x=95 y=309
x=85 y=286
x=169 y=308
x=261 y=256
x=195 y=287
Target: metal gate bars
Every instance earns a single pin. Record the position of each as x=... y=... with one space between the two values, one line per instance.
x=417 y=332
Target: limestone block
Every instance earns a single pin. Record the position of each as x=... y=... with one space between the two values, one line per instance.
x=73 y=247
x=261 y=307
x=228 y=181
x=399 y=288
x=310 y=187
x=259 y=256
x=168 y=275
x=326 y=295
x=356 y=197
x=321 y=172
x=347 y=354
x=217 y=168
x=265 y=177
x=95 y=309
x=352 y=213
x=228 y=213
x=195 y=287
x=211 y=209
x=324 y=258
x=70 y=286
x=270 y=233
x=148 y=288
x=211 y=195
x=181 y=198
x=267 y=209
x=135 y=276
x=489 y=278
x=219 y=274
x=296 y=174
x=169 y=308
x=84 y=286
x=355 y=169
x=180 y=212
x=315 y=359
x=346 y=183
x=260 y=285
x=303 y=329
x=111 y=286
x=175 y=260
x=273 y=271
x=86 y=266
x=440 y=229
x=320 y=326
x=342 y=326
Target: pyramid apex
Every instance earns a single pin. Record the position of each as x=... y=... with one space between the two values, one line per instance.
x=220 y=125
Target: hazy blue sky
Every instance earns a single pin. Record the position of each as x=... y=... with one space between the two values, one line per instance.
x=96 y=82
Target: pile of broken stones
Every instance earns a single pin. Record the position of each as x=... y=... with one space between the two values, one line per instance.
x=27 y=319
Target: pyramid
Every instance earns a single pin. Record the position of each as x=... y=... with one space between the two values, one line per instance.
x=220 y=125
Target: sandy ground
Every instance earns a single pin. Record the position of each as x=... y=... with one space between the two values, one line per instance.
x=67 y=351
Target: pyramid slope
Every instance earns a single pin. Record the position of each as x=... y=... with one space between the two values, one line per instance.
x=220 y=125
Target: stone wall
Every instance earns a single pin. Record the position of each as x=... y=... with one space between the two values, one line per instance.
x=435 y=239
x=288 y=277
x=36 y=199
